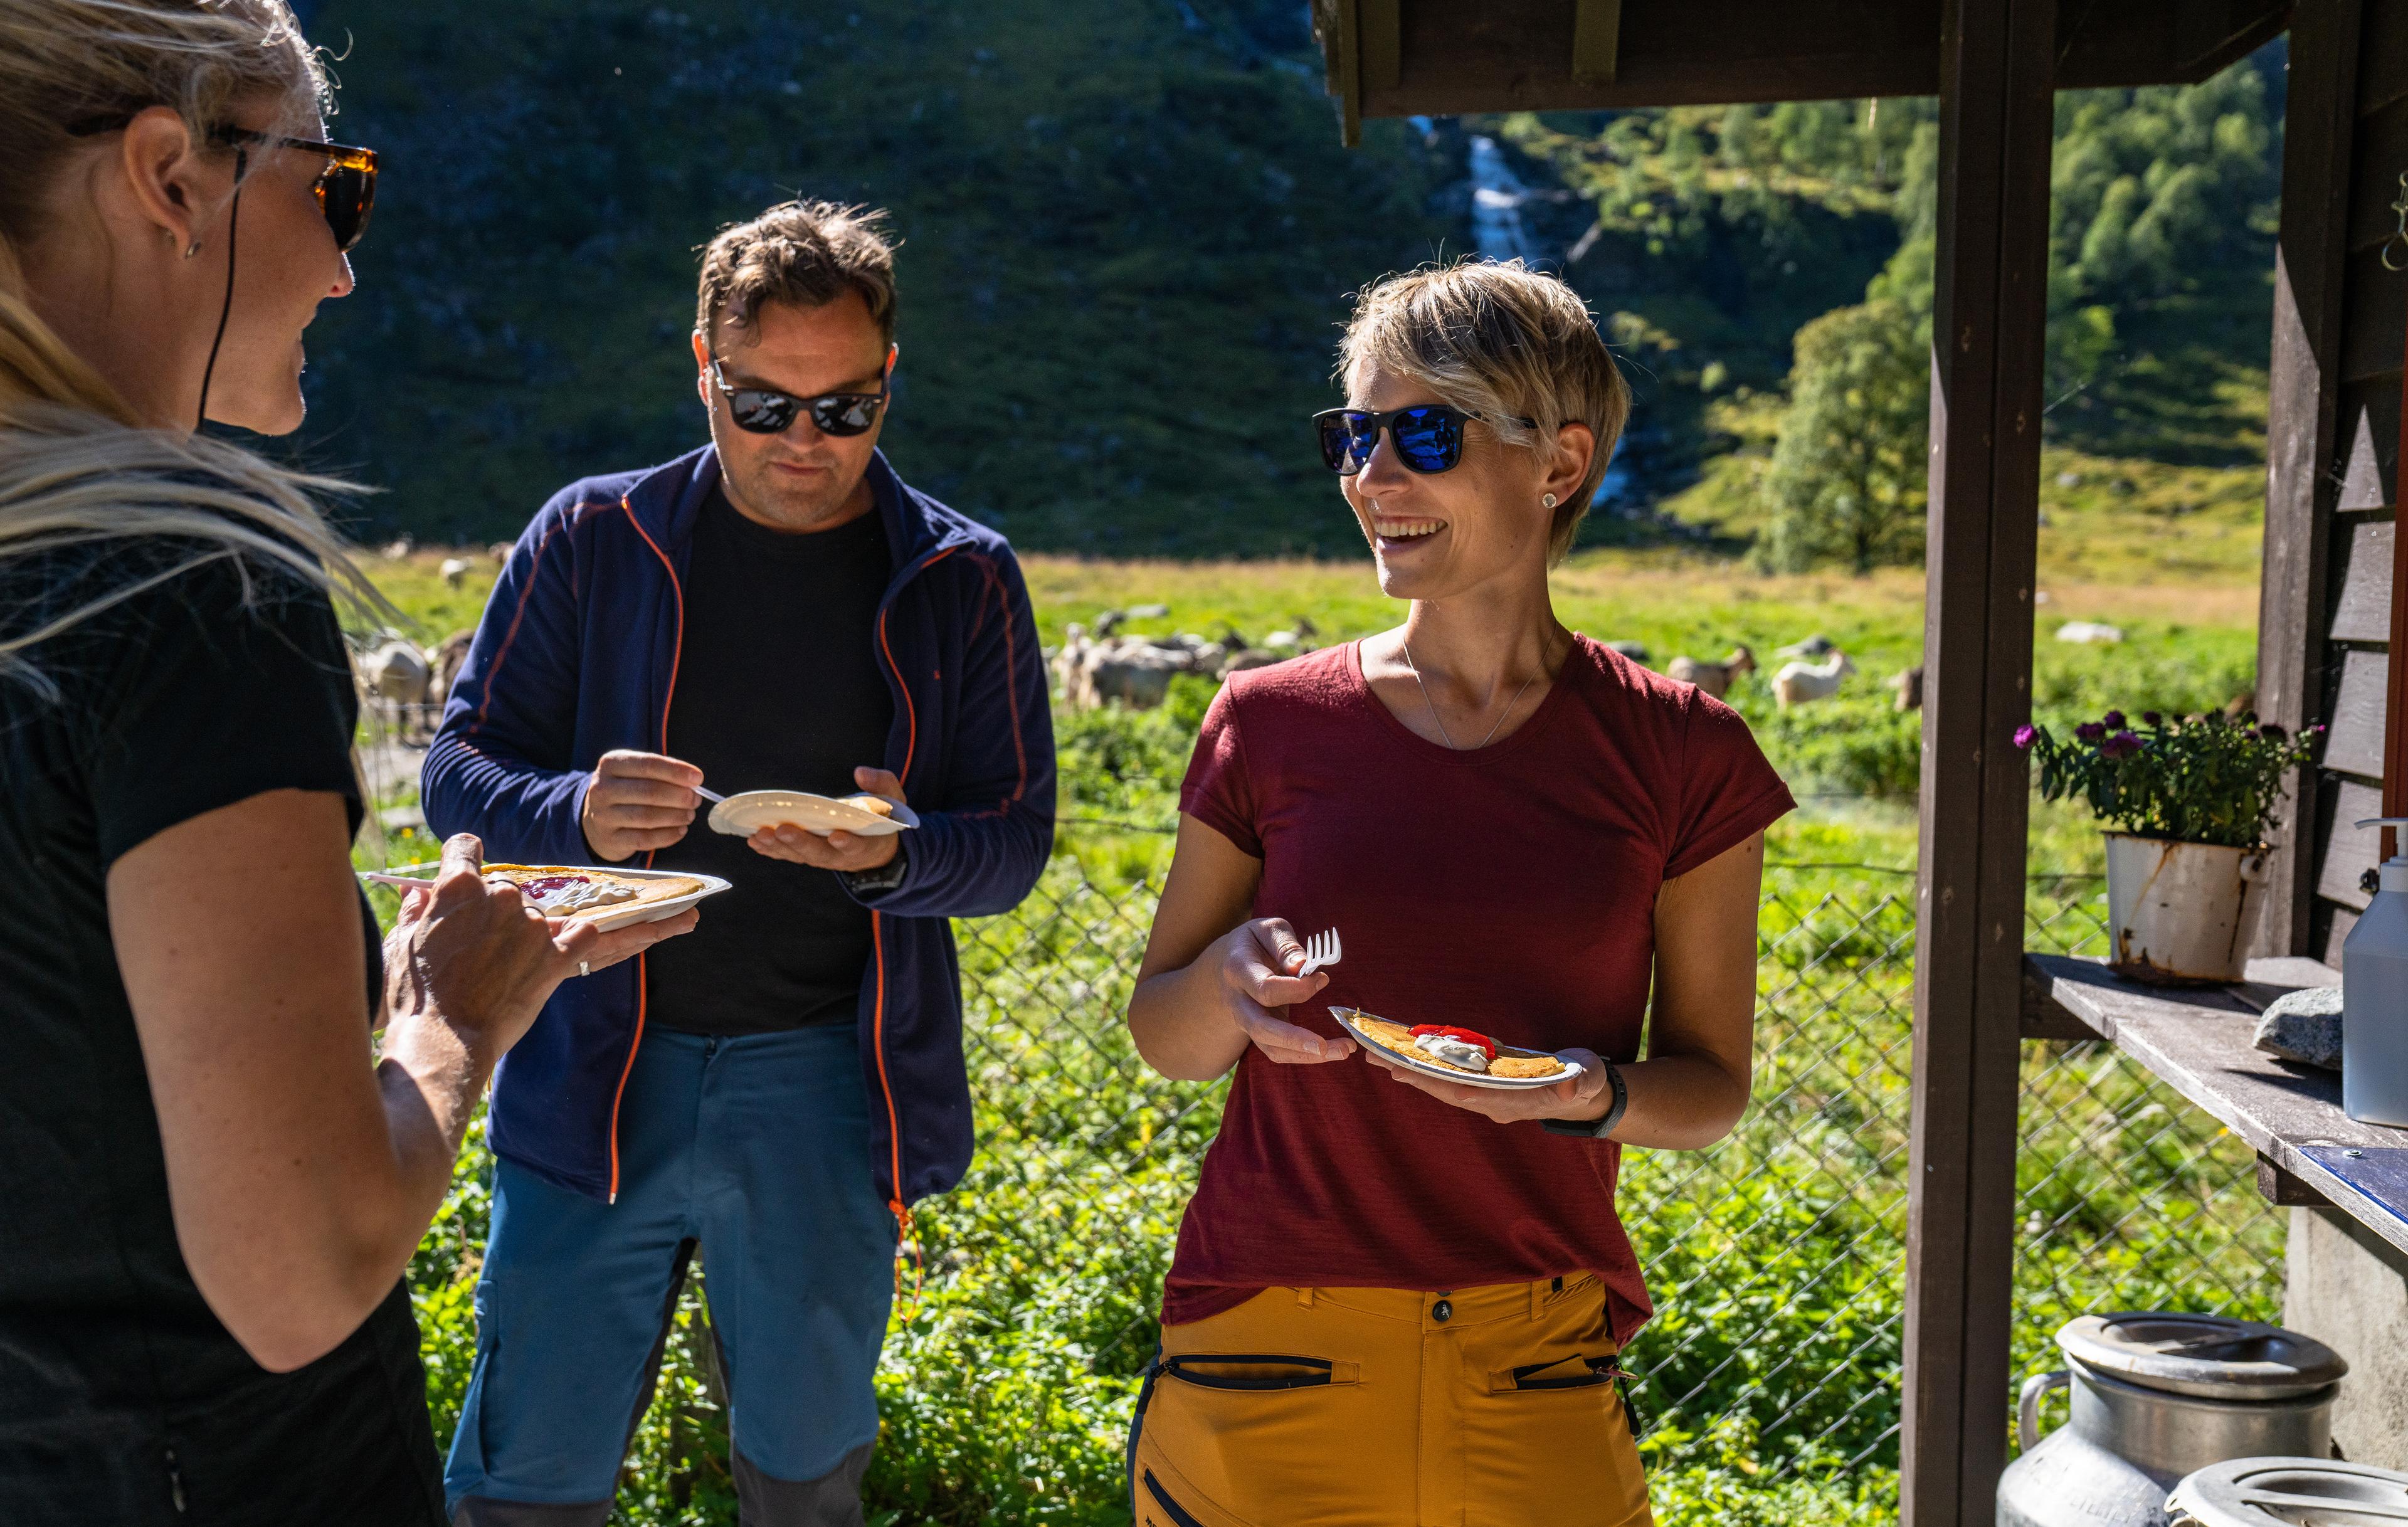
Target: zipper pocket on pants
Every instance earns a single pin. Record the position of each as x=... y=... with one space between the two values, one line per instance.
x=1179 y=1514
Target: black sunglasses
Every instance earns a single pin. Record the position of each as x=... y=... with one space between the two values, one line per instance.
x=346 y=191
x=760 y=411
x=1428 y=437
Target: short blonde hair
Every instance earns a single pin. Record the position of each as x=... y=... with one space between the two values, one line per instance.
x=1504 y=341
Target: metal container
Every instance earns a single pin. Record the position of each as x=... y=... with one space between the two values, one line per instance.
x=2289 y=1492
x=2155 y=1397
x=2175 y=908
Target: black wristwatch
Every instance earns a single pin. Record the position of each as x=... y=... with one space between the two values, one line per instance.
x=1596 y=1129
x=886 y=877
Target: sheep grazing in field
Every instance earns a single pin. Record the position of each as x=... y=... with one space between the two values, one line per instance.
x=500 y=552
x=396 y=672
x=2089 y=632
x=1908 y=682
x=456 y=571
x=1817 y=645
x=1131 y=670
x=1799 y=682
x=1714 y=678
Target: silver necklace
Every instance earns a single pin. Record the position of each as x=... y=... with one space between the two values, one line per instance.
x=1439 y=722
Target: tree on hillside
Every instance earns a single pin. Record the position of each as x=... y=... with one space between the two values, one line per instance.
x=1848 y=479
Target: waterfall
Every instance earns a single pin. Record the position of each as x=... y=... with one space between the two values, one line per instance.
x=1496 y=197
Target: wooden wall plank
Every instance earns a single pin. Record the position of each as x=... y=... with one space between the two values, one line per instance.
x=1597 y=41
x=2383 y=57
x=1380 y=50
x=2378 y=316
x=1514 y=55
x=2303 y=402
x=2364 y=611
x=2368 y=444
x=1990 y=309
x=2381 y=154
x=2354 y=745
x=2350 y=850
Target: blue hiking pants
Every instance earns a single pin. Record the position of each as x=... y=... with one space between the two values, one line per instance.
x=755 y=1150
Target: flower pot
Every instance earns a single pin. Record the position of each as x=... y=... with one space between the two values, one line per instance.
x=2175 y=908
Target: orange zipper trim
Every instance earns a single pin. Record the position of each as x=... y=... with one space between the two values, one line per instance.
x=902 y=1211
x=677 y=654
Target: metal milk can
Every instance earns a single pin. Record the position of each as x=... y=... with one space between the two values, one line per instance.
x=2156 y=1396
x=2289 y=1492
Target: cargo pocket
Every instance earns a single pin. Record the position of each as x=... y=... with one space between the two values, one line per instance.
x=1228 y=1439
x=1573 y=1372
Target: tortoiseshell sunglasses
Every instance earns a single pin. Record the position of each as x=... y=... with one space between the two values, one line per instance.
x=346 y=191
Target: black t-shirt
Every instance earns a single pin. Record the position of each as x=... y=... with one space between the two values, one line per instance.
x=778 y=688
x=122 y=1399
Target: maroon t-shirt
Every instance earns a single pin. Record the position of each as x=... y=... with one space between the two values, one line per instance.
x=1511 y=890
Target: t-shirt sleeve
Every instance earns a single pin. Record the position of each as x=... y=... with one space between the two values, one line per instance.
x=209 y=690
x=1216 y=791
x=1729 y=791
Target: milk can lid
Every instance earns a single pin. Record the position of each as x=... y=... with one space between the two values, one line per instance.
x=2206 y=1355
x=2289 y=1492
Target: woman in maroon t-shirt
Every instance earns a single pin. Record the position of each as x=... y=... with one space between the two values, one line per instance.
x=1402 y=1303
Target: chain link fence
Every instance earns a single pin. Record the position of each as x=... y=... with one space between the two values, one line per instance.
x=1777 y=1257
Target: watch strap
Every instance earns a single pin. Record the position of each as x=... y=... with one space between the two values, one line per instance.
x=1596 y=1129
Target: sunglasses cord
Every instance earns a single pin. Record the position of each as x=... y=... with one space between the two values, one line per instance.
x=234 y=227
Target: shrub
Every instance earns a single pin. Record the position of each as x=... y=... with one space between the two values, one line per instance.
x=2203 y=779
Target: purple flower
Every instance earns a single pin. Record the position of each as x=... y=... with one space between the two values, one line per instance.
x=2112 y=718
x=2272 y=732
x=2152 y=718
x=2122 y=745
x=2090 y=731
x=2026 y=735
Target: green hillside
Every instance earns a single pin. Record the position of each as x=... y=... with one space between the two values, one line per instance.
x=1128 y=230
x=1130 y=236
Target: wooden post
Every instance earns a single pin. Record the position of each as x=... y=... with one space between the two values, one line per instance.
x=1991 y=278
x=2304 y=387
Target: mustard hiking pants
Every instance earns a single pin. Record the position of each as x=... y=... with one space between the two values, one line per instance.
x=1496 y=1407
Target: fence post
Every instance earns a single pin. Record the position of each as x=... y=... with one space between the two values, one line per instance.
x=1991 y=277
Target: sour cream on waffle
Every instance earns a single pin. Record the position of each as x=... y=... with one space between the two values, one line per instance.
x=1455 y=1052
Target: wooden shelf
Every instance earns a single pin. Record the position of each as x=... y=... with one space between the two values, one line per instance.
x=2199 y=1042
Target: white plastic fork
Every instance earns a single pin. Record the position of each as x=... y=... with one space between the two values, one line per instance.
x=1321 y=949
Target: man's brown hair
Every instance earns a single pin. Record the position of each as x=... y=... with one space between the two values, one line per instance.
x=805 y=253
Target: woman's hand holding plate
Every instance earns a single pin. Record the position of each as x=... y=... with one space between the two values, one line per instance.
x=1580 y=1096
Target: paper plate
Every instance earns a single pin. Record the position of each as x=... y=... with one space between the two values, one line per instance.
x=626 y=916
x=742 y=815
x=1348 y=1016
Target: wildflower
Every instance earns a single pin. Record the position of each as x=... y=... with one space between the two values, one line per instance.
x=2114 y=719
x=2090 y=731
x=2152 y=718
x=2272 y=732
x=2122 y=745
x=2026 y=735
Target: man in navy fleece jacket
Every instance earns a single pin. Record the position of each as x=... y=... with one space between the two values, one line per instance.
x=776 y=611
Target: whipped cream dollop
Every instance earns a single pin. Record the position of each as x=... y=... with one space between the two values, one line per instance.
x=1455 y=1052
x=559 y=895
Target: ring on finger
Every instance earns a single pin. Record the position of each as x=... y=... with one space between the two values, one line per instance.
x=584 y=967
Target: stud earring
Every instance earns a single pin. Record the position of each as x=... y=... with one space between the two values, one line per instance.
x=1547 y=500
x=192 y=249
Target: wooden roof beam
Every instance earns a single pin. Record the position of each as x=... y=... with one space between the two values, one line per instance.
x=1597 y=41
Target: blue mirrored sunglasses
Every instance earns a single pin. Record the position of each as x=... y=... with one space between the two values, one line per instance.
x=1428 y=437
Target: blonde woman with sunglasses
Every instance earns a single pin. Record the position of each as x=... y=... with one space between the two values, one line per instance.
x=213 y=1184
x=1400 y=1297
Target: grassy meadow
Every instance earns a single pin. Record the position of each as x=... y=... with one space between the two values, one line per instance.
x=1769 y=1381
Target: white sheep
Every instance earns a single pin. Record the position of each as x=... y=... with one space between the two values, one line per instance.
x=1714 y=678
x=1797 y=683
x=456 y=571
